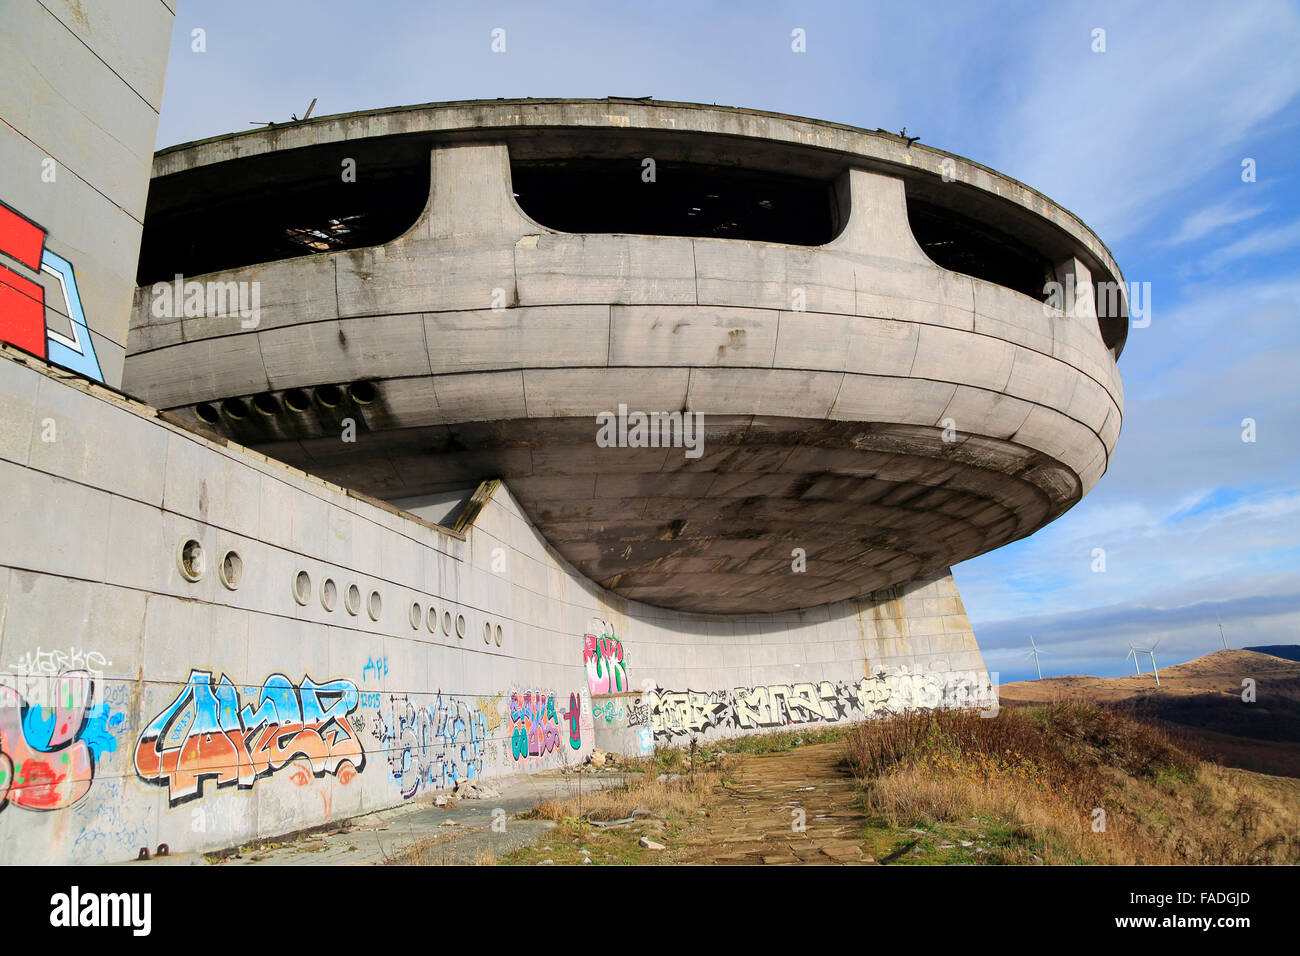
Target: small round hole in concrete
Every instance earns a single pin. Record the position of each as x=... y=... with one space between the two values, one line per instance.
x=374 y=605
x=446 y=623
x=302 y=587
x=296 y=400
x=330 y=396
x=267 y=404
x=498 y=635
x=431 y=620
x=329 y=594
x=206 y=413
x=190 y=559
x=416 y=615
x=460 y=626
x=235 y=409
x=487 y=632
x=352 y=601
x=363 y=393
x=231 y=570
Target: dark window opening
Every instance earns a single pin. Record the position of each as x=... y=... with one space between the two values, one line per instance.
x=965 y=245
x=230 y=226
x=611 y=196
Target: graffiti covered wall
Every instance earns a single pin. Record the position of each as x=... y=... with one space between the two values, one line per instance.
x=683 y=714
x=25 y=314
x=52 y=735
x=268 y=653
x=205 y=734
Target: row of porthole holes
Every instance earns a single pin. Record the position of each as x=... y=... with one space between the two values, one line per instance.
x=297 y=400
x=374 y=607
x=329 y=596
x=193 y=561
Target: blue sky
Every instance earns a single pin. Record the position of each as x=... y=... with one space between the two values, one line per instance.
x=1144 y=141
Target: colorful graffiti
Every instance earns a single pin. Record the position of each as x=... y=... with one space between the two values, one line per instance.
x=204 y=734
x=434 y=746
x=22 y=300
x=490 y=708
x=48 y=753
x=573 y=715
x=376 y=667
x=689 y=712
x=534 y=727
x=609 y=711
x=603 y=657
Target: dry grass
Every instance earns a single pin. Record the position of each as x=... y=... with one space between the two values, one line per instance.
x=425 y=853
x=1042 y=772
x=663 y=798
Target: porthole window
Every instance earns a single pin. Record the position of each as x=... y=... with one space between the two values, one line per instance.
x=431 y=620
x=296 y=400
x=231 y=570
x=446 y=623
x=189 y=558
x=302 y=587
x=374 y=605
x=487 y=632
x=416 y=615
x=330 y=396
x=460 y=626
x=329 y=594
x=498 y=635
x=267 y=404
x=353 y=600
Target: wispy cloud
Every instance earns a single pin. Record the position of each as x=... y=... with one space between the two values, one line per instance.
x=1205 y=221
x=1115 y=135
x=1268 y=241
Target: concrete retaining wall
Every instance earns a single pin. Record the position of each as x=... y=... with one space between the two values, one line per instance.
x=142 y=707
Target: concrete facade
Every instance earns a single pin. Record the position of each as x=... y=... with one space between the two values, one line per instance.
x=143 y=707
x=78 y=116
x=203 y=643
x=885 y=415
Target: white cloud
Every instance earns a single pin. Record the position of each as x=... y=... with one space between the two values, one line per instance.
x=1213 y=218
x=1113 y=135
x=1262 y=242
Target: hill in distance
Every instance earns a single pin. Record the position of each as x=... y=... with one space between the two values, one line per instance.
x=1290 y=652
x=1200 y=700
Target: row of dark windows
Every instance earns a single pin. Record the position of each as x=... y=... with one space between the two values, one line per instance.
x=243 y=228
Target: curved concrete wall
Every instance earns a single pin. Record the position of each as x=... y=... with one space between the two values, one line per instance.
x=142 y=707
x=478 y=314
x=796 y=139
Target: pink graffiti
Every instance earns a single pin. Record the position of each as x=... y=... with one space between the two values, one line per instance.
x=572 y=715
x=57 y=770
x=534 y=728
x=606 y=672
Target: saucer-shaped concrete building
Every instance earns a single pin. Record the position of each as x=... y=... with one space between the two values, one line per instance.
x=860 y=320
x=359 y=496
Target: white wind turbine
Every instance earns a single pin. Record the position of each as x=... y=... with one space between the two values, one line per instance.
x=1034 y=654
x=1133 y=653
x=1152 y=651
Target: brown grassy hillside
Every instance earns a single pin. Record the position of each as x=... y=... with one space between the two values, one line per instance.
x=1200 y=701
x=1067 y=782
